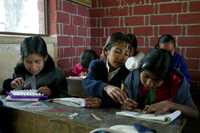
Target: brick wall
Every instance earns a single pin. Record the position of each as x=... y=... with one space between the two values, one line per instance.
x=70 y=23
x=149 y=19
x=77 y=27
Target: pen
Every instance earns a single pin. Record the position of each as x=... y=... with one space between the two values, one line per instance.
x=96 y=117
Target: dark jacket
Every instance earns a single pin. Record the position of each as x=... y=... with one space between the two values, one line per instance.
x=50 y=76
x=97 y=79
x=183 y=96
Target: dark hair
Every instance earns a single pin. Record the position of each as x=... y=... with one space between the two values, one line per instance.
x=117 y=37
x=87 y=56
x=166 y=38
x=31 y=45
x=157 y=61
x=131 y=40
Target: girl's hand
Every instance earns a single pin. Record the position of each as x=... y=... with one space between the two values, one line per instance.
x=159 y=108
x=93 y=102
x=45 y=90
x=18 y=82
x=129 y=104
x=116 y=94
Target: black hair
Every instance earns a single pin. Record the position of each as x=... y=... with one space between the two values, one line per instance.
x=36 y=45
x=31 y=45
x=87 y=56
x=117 y=37
x=166 y=38
x=157 y=61
x=131 y=40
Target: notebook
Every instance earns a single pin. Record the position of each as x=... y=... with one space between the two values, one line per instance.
x=71 y=101
x=25 y=95
x=165 y=118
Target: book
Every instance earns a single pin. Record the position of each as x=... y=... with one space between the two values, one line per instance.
x=25 y=95
x=70 y=101
x=164 y=118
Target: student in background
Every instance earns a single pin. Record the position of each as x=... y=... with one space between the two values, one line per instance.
x=37 y=70
x=157 y=85
x=168 y=43
x=104 y=77
x=135 y=57
x=86 y=57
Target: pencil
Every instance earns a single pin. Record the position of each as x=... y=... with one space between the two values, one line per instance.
x=95 y=117
x=122 y=86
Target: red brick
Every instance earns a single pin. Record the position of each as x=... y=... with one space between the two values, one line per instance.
x=60 y=52
x=67 y=41
x=143 y=31
x=118 y=11
x=97 y=32
x=95 y=3
x=160 y=0
x=193 y=52
x=173 y=30
x=145 y=50
x=69 y=7
x=195 y=6
x=78 y=20
x=87 y=22
x=171 y=8
x=78 y=41
x=59 y=4
x=189 y=19
x=124 y=30
x=194 y=30
x=189 y=41
x=110 y=22
x=63 y=18
x=95 y=41
x=131 y=21
x=193 y=64
x=162 y=19
x=83 y=11
x=69 y=52
x=93 y=22
x=97 y=12
x=70 y=30
x=132 y=2
x=147 y=9
x=110 y=3
x=140 y=41
x=153 y=41
x=82 y=31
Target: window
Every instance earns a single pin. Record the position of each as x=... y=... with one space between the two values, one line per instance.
x=23 y=16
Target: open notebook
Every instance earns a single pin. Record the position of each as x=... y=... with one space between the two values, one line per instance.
x=165 y=118
x=25 y=95
x=71 y=101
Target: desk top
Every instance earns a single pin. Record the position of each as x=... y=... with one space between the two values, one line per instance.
x=84 y=120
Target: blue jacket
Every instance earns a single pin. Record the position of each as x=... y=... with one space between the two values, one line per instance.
x=178 y=63
x=97 y=79
x=132 y=85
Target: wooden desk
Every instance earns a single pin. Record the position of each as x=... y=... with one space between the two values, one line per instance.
x=75 y=87
x=56 y=120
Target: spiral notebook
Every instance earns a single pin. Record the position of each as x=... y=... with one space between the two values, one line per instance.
x=25 y=95
x=165 y=118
